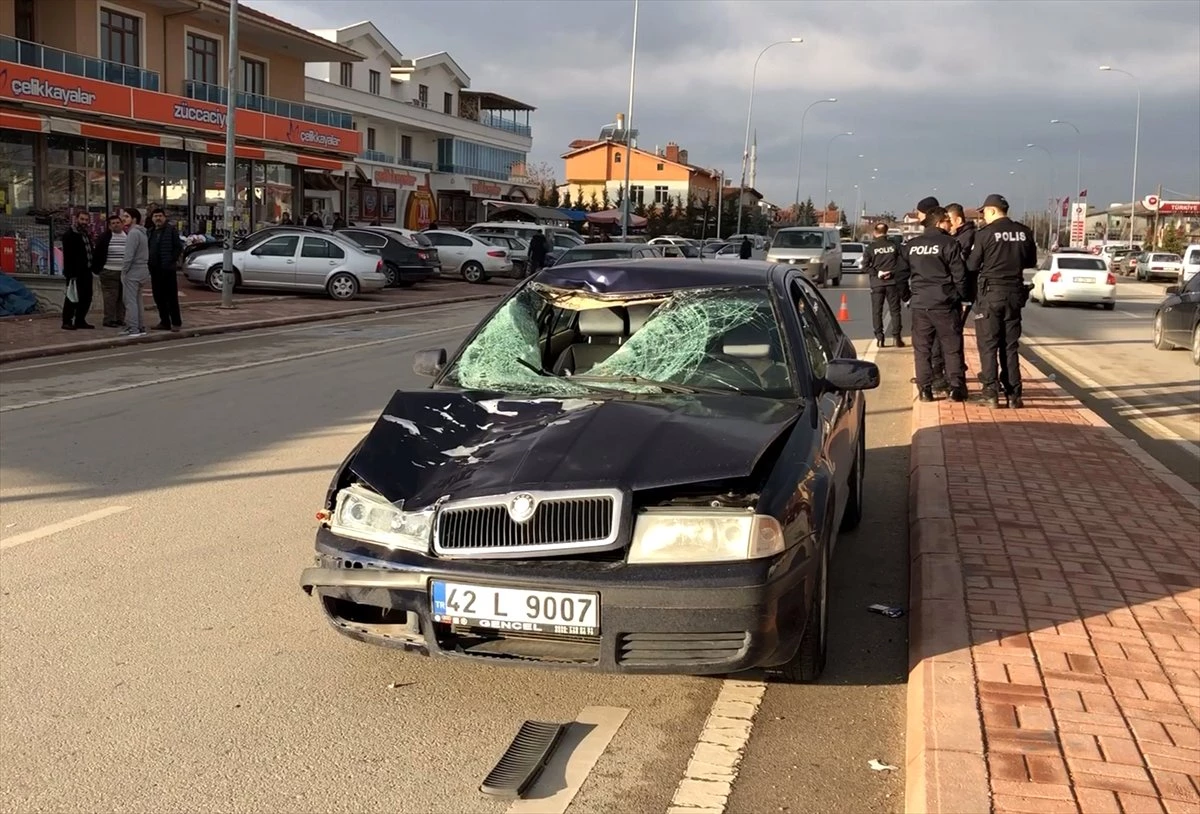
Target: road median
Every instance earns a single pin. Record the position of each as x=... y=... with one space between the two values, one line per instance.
x=1054 y=636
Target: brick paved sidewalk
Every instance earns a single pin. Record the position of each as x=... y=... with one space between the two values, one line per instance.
x=1055 y=627
x=42 y=335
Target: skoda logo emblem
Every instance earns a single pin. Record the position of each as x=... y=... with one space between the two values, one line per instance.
x=522 y=507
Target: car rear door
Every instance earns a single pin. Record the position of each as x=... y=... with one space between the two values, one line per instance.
x=318 y=257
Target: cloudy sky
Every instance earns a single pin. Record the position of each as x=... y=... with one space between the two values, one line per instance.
x=941 y=95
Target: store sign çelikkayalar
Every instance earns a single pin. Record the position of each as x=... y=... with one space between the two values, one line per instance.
x=21 y=83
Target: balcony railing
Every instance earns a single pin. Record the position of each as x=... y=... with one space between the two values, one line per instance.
x=412 y=162
x=387 y=158
x=52 y=59
x=490 y=119
x=459 y=169
x=298 y=111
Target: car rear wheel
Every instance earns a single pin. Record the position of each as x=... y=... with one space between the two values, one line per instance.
x=808 y=663
x=342 y=286
x=215 y=279
x=854 y=503
x=1160 y=339
x=1109 y=306
x=391 y=274
x=1043 y=300
x=472 y=272
x=1196 y=346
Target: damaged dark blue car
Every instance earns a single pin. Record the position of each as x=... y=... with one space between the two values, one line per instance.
x=630 y=466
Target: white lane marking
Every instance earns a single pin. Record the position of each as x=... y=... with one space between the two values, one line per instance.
x=55 y=528
x=713 y=767
x=1131 y=314
x=573 y=760
x=193 y=374
x=1137 y=416
x=158 y=347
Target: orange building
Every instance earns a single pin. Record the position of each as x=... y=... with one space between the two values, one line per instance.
x=654 y=177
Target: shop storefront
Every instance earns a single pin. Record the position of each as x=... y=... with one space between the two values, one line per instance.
x=460 y=199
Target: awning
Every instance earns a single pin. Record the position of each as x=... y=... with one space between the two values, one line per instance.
x=611 y=217
x=20 y=121
x=573 y=215
x=541 y=213
x=74 y=127
x=266 y=154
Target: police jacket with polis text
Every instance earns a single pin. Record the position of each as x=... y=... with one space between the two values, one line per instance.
x=1003 y=250
x=936 y=271
x=884 y=262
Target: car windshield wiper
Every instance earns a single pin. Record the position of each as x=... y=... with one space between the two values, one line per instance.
x=671 y=387
x=541 y=371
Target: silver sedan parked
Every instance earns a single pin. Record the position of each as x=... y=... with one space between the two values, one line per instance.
x=299 y=261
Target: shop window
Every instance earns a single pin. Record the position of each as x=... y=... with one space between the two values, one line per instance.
x=254 y=76
x=16 y=173
x=373 y=82
x=274 y=189
x=203 y=59
x=210 y=194
x=120 y=37
x=76 y=176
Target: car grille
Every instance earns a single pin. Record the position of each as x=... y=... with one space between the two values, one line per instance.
x=575 y=522
x=679 y=649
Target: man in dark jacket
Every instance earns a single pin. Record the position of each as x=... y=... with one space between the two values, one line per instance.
x=885 y=266
x=538 y=248
x=1003 y=250
x=937 y=286
x=165 y=249
x=77 y=269
x=746 y=249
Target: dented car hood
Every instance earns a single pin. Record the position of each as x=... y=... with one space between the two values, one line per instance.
x=430 y=444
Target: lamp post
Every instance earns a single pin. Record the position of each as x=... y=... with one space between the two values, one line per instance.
x=828 y=148
x=625 y=202
x=800 y=155
x=1052 y=197
x=1137 y=129
x=749 y=115
x=231 y=92
x=1078 y=154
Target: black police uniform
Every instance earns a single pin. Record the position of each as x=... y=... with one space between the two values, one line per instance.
x=937 y=287
x=884 y=261
x=966 y=241
x=1003 y=250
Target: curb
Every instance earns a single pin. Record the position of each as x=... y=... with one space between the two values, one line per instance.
x=58 y=310
x=233 y=327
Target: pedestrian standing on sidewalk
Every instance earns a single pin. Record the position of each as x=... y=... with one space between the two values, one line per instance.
x=936 y=284
x=746 y=249
x=885 y=266
x=539 y=247
x=77 y=269
x=164 y=249
x=135 y=270
x=1003 y=250
x=107 y=258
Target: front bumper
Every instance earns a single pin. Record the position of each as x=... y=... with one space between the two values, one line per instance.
x=698 y=619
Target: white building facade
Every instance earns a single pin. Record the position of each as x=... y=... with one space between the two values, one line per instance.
x=433 y=149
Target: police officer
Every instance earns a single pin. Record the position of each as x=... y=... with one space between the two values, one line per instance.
x=924 y=206
x=886 y=266
x=963 y=231
x=937 y=289
x=1003 y=250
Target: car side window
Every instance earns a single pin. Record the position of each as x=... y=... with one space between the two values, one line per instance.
x=818 y=353
x=319 y=247
x=1193 y=285
x=455 y=240
x=278 y=247
x=367 y=239
x=826 y=323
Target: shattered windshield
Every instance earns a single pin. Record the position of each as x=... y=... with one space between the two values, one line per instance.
x=787 y=239
x=571 y=342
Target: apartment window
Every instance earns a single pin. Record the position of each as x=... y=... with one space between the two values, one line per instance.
x=24 y=20
x=204 y=57
x=346 y=79
x=616 y=158
x=423 y=95
x=448 y=103
x=660 y=167
x=406 y=148
x=120 y=37
x=637 y=196
x=661 y=195
x=370 y=138
x=373 y=82
x=254 y=77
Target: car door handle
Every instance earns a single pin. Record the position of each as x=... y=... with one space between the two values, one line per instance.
x=290 y=262
x=333 y=262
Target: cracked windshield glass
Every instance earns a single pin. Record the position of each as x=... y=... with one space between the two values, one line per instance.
x=547 y=340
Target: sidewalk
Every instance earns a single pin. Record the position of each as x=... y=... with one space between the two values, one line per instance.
x=42 y=334
x=1055 y=623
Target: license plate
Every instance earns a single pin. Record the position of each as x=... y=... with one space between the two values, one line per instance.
x=1087 y=280
x=516 y=609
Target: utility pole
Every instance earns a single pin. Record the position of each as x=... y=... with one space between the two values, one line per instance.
x=720 y=200
x=627 y=204
x=1154 y=243
x=231 y=91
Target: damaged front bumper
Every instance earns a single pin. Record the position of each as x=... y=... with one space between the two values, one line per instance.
x=697 y=619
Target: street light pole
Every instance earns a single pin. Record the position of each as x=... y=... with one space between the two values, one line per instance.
x=749 y=115
x=1137 y=129
x=231 y=91
x=1051 y=196
x=800 y=156
x=625 y=202
x=828 y=147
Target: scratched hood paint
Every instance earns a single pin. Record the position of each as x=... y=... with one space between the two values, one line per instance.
x=429 y=443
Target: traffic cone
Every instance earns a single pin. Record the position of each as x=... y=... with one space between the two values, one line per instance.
x=844 y=311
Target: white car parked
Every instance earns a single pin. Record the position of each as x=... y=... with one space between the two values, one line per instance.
x=1078 y=278
x=476 y=260
x=1159 y=264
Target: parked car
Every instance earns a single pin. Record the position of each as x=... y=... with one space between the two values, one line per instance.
x=815 y=249
x=1159 y=264
x=1191 y=262
x=420 y=239
x=671 y=506
x=852 y=256
x=518 y=249
x=240 y=244
x=1177 y=319
x=1074 y=278
x=676 y=249
x=557 y=236
x=607 y=251
x=475 y=260
x=404 y=262
x=295 y=260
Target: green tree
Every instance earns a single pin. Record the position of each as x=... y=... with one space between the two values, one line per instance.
x=654 y=220
x=728 y=217
x=842 y=219
x=667 y=216
x=579 y=204
x=554 y=199
x=566 y=200
x=1172 y=240
x=543 y=196
x=620 y=200
x=605 y=203
x=594 y=202
x=640 y=209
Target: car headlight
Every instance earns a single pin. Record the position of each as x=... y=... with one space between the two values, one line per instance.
x=361 y=514
x=709 y=535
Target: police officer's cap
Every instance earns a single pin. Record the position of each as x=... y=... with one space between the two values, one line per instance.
x=998 y=201
x=927 y=204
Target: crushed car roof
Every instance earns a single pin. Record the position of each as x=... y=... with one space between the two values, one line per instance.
x=624 y=276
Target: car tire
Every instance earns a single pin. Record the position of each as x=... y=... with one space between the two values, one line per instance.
x=1196 y=346
x=405 y=283
x=1043 y=301
x=472 y=272
x=342 y=286
x=391 y=274
x=215 y=279
x=1109 y=306
x=837 y=281
x=854 y=503
x=1160 y=340
x=807 y=665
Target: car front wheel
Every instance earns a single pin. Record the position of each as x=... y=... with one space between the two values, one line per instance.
x=808 y=663
x=854 y=503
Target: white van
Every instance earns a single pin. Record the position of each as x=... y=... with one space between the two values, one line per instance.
x=818 y=249
x=559 y=237
x=1191 y=263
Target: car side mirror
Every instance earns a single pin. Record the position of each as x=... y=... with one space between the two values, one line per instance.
x=851 y=374
x=1173 y=289
x=429 y=362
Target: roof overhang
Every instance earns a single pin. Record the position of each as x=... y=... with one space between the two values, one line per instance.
x=271 y=32
x=446 y=61
x=494 y=101
x=369 y=30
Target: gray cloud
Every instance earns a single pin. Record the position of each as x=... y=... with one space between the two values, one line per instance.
x=939 y=94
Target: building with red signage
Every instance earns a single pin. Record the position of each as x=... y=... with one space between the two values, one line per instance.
x=433 y=148
x=109 y=104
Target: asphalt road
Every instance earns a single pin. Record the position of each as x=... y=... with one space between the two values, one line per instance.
x=158 y=654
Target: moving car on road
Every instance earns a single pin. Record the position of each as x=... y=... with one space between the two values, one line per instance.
x=607 y=251
x=1177 y=320
x=852 y=256
x=404 y=262
x=1073 y=277
x=1159 y=264
x=295 y=260
x=670 y=506
x=817 y=250
x=466 y=255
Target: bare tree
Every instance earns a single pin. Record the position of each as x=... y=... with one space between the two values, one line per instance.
x=541 y=174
